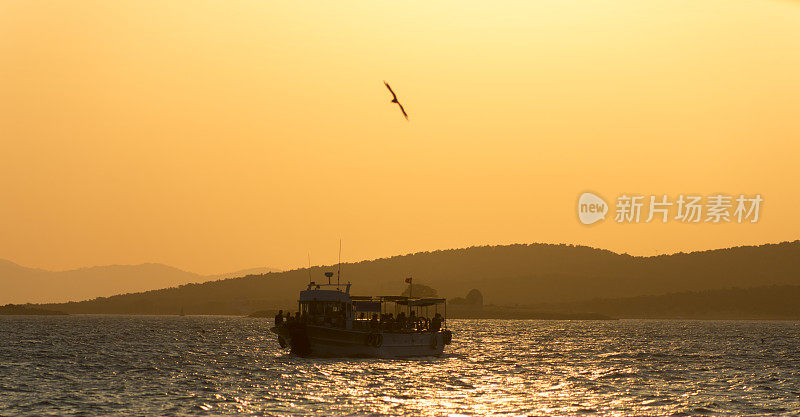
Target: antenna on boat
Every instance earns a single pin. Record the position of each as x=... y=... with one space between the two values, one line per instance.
x=339 y=269
x=309 y=267
x=410 y=281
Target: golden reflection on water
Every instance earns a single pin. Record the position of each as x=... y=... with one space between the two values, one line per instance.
x=546 y=368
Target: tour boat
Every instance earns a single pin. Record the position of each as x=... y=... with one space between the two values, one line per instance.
x=332 y=323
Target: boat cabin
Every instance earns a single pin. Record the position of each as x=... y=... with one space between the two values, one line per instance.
x=331 y=305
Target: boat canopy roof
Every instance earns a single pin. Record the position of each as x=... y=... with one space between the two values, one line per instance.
x=399 y=299
x=341 y=293
x=324 y=295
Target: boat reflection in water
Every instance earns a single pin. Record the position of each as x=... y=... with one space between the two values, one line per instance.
x=332 y=323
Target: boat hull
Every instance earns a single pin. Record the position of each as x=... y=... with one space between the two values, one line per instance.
x=320 y=341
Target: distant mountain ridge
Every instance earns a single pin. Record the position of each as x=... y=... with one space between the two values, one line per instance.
x=242 y=273
x=506 y=275
x=19 y=284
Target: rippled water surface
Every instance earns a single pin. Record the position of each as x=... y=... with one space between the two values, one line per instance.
x=105 y=365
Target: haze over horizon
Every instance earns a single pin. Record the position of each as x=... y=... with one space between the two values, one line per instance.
x=217 y=136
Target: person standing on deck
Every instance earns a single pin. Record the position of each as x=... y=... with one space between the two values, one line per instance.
x=436 y=323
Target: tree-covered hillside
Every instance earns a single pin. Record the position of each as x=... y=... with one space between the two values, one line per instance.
x=505 y=275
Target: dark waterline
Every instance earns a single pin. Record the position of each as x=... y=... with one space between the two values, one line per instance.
x=123 y=365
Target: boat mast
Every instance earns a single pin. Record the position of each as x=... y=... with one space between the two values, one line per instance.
x=309 y=267
x=410 y=289
x=339 y=269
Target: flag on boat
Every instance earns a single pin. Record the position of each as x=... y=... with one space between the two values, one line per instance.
x=408 y=280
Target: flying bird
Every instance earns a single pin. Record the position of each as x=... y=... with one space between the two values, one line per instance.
x=394 y=100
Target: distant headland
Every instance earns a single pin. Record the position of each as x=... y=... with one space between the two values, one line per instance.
x=27 y=310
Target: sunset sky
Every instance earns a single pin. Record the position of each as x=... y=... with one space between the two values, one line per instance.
x=220 y=135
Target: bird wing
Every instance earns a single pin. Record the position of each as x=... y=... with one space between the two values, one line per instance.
x=394 y=96
x=403 y=110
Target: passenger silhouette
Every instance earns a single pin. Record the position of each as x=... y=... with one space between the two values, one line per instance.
x=401 y=321
x=436 y=323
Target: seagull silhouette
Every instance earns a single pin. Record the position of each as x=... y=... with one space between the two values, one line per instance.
x=394 y=100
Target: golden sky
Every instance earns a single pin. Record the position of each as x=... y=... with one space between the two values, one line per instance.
x=220 y=135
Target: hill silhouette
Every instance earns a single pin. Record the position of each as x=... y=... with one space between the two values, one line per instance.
x=19 y=284
x=24 y=310
x=505 y=275
x=241 y=273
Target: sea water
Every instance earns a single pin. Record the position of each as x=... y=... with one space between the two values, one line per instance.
x=204 y=365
